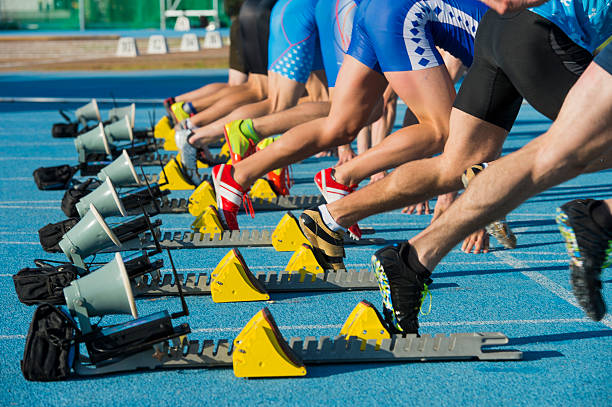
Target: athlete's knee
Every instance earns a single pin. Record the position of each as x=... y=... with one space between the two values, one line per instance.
x=338 y=133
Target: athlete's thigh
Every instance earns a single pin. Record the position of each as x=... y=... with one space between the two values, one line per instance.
x=358 y=91
x=429 y=93
x=582 y=132
x=471 y=140
x=284 y=91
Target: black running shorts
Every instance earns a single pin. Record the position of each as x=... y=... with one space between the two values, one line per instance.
x=235 y=52
x=604 y=58
x=255 y=29
x=519 y=55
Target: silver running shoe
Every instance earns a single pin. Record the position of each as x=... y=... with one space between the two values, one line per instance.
x=499 y=229
x=188 y=155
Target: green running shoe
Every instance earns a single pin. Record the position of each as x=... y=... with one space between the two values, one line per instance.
x=241 y=139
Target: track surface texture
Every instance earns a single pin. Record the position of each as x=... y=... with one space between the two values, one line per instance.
x=524 y=293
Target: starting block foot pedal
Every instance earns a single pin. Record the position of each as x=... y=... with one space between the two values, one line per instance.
x=365 y=322
x=287 y=236
x=225 y=149
x=208 y=222
x=232 y=281
x=175 y=180
x=163 y=128
x=199 y=163
x=305 y=261
x=203 y=197
x=261 y=351
x=262 y=189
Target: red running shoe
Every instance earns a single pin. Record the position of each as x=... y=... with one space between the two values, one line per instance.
x=229 y=195
x=332 y=190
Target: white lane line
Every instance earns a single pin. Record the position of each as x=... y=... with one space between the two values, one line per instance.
x=21 y=243
x=338 y=326
x=444 y=323
x=37 y=143
x=36 y=158
x=17 y=179
x=547 y=283
x=29 y=202
x=12 y=337
x=27 y=207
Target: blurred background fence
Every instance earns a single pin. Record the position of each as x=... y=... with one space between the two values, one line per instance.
x=109 y=14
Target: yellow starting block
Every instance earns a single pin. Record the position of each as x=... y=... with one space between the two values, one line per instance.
x=305 y=261
x=261 y=351
x=261 y=189
x=288 y=236
x=232 y=281
x=225 y=151
x=203 y=197
x=162 y=128
x=199 y=163
x=176 y=181
x=208 y=222
x=365 y=323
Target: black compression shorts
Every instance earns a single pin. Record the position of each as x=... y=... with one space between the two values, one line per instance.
x=255 y=29
x=516 y=56
x=236 y=61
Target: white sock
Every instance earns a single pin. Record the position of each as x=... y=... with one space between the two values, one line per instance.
x=328 y=220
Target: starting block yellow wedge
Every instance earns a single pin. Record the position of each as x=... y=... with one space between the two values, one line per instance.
x=232 y=281
x=365 y=322
x=208 y=222
x=169 y=142
x=287 y=236
x=261 y=351
x=305 y=261
x=203 y=197
x=176 y=180
x=199 y=163
x=261 y=189
x=162 y=128
x=225 y=150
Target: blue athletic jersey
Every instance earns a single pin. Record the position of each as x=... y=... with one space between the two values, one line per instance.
x=402 y=35
x=587 y=22
x=335 y=25
x=293 y=46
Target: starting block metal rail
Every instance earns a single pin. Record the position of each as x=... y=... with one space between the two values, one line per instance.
x=281 y=203
x=276 y=281
x=154 y=159
x=321 y=350
x=226 y=238
x=260 y=350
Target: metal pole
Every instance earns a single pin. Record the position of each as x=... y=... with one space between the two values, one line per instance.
x=162 y=14
x=82 y=15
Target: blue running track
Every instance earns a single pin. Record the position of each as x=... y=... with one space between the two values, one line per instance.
x=523 y=293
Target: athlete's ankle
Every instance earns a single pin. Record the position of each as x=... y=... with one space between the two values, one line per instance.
x=337 y=215
x=329 y=220
x=241 y=178
x=429 y=259
x=343 y=177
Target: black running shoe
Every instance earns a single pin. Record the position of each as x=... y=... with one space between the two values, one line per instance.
x=402 y=287
x=590 y=249
x=327 y=244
